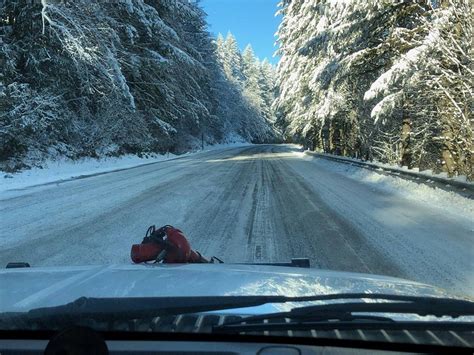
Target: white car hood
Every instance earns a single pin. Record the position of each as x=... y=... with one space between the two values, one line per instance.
x=27 y=288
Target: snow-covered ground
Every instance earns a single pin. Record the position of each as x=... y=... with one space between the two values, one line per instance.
x=446 y=201
x=427 y=174
x=66 y=169
x=253 y=203
x=427 y=232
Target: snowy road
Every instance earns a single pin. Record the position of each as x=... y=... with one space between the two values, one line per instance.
x=253 y=203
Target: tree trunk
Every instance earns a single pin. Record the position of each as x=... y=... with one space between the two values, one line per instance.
x=331 y=138
x=449 y=164
x=405 y=149
x=319 y=144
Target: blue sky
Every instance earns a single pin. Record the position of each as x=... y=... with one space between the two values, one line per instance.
x=251 y=21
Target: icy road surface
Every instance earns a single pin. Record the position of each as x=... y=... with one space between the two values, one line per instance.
x=247 y=204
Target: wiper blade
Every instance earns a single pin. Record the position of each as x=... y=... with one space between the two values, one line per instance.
x=424 y=307
x=149 y=307
x=347 y=311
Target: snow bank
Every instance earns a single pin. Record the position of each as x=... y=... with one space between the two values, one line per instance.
x=448 y=201
x=460 y=181
x=66 y=169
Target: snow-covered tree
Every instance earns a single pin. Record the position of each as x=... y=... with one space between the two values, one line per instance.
x=89 y=78
x=379 y=79
x=267 y=84
x=233 y=60
x=243 y=102
x=251 y=73
x=221 y=50
x=430 y=80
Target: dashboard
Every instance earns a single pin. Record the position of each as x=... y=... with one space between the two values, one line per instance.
x=84 y=340
x=14 y=347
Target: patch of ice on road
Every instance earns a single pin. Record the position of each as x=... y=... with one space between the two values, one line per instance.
x=447 y=201
x=64 y=169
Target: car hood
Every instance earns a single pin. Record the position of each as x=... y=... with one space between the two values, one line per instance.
x=28 y=288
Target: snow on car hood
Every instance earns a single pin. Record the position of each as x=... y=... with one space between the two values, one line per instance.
x=27 y=288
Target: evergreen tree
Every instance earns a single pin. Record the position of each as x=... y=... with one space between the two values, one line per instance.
x=220 y=49
x=242 y=99
x=233 y=60
x=92 y=78
x=251 y=74
x=370 y=79
x=267 y=84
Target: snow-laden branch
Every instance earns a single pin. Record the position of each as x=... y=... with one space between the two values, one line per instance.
x=386 y=106
x=401 y=69
x=44 y=15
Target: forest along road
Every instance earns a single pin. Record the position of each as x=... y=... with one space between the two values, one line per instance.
x=261 y=203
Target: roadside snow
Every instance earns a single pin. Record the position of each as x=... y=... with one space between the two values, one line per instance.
x=428 y=174
x=66 y=169
x=448 y=201
x=424 y=233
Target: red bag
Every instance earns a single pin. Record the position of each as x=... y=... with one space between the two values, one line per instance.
x=175 y=248
x=145 y=252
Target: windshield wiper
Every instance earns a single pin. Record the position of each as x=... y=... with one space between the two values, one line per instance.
x=149 y=307
x=347 y=315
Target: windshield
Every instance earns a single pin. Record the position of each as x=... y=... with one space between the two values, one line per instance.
x=182 y=148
